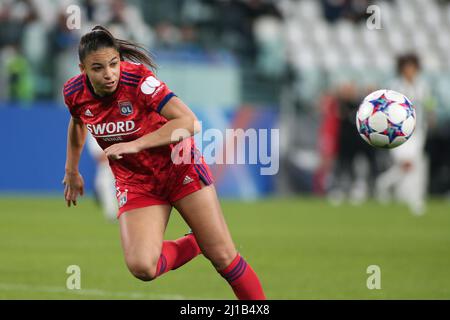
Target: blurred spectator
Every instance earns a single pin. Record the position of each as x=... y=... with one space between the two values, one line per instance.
x=167 y=35
x=35 y=47
x=439 y=158
x=125 y=21
x=89 y=9
x=237 y=20
x=13 y=18
x=438 y=140
x=189 y=38
x=408 y=175
x=248 y=28
x=18 y=73
x=270 y=59
x=353 y=10
x=104 y=181
x=63 y=45
x=327 y=141
x=334 y=9
x=355 y=167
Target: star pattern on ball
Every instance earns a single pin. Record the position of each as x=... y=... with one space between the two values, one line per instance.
x=364 y=127
x=393 y=131
x=380 y=104
x=409 y=109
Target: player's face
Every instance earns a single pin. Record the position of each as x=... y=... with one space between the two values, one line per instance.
x=410 y=71
x=103 y=70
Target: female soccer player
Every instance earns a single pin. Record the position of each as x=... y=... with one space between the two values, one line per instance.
x=133 y=116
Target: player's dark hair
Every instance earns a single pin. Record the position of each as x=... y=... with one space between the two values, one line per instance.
x=406 y=59
x=100 y=38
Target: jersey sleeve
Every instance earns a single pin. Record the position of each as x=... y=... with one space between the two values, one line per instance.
x=155 y=93
x=71 y=108
x=71 y=87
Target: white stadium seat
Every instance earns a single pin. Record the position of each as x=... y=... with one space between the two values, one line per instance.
x=421 y=26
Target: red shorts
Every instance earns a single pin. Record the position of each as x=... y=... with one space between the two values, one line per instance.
x=183 y=180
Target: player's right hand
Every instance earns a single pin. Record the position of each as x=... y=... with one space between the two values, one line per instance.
x=73 y=187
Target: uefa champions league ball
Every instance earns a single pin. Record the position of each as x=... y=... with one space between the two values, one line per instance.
x=386 y=119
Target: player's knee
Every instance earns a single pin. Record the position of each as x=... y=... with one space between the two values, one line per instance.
x=143 y=270
x=221 y=257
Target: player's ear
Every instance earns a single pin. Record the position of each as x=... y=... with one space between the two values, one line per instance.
x=81 y=66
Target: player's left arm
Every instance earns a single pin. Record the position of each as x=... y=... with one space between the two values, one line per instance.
x=182 y=124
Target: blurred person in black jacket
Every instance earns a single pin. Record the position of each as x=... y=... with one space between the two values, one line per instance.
x=356 y=166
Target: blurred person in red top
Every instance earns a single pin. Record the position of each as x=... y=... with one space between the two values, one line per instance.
x=355 y=167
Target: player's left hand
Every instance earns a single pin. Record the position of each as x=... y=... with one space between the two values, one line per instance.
x=116 y=151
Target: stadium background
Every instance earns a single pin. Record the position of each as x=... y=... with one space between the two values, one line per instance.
x=238 y=64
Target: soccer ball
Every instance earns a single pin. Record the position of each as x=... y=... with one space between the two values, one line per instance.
x=386 y=119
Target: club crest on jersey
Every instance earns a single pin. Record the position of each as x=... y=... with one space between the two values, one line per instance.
x=126 y=108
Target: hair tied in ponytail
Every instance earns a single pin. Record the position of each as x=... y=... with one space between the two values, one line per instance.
x=100 y=37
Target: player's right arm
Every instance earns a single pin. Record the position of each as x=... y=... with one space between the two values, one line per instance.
x=73 y=181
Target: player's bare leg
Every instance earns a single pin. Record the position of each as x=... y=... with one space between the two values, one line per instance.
x=146 y=254
x=142 y=232
x=202 y=212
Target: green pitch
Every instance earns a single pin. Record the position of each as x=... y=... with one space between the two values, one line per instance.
x=300 y=248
